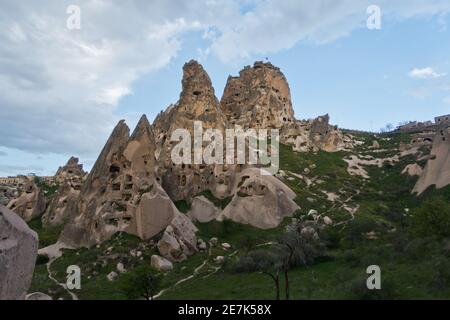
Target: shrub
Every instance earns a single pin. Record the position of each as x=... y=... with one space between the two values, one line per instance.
x=432 y=218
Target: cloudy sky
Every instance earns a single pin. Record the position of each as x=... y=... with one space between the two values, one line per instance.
x=62 y=90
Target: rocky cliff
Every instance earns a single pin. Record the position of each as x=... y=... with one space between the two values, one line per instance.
x=18 y=251
x=437 y=169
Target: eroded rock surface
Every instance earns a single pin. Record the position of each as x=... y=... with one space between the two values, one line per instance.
x=31 y=202
x=18 y=251
x=437 y=169
x=63 y=205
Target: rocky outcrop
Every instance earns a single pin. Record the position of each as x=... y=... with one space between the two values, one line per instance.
x=262 y=201
x=18 y=252
x=203 y=210
x=122 y=193
x=413 y=170
x=258 y=98
x=71 y=169
x=63 y=205
x=314 y=135
x=31 y=202
x=197 y=103
x=437 y=169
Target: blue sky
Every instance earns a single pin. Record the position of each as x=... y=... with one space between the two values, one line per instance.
x=65 y=97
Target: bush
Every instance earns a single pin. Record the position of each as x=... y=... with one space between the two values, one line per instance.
x=42 y=259
x=432 y=218
x=441 y=276
x=358 y=289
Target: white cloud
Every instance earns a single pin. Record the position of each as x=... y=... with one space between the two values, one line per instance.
x=425 y=73
x=59 y=89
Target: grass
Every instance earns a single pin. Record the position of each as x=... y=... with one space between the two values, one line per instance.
x=409 y=265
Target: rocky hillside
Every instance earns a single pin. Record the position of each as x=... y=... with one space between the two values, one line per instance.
x=351 y=199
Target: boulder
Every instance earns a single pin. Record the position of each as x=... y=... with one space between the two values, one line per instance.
x=413 y=170
x=37 y=296
x=262 y=201
x=112 y=276
x=18 y=252
x=203 y=210
x=161 y=264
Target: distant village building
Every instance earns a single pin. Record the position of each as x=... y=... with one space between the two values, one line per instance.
x=415 y=126
x=442 y=119
x=20 y=180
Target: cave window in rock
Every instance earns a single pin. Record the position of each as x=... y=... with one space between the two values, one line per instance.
x=183 y=180
x=29 y=205
x=196 y=93
x=116 y=187
x=114 y=169
x=128 y=186
x=129 y=178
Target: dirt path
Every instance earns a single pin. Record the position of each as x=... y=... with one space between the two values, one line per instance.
x=54 y=252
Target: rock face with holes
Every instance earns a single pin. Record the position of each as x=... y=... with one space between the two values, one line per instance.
x=122 y=193
x=71 y=169
x=314 y=135
x=31 y=202
x=63 y=206
x=18 y=252
x=258 y=98
x=437 y=169
x=197 y=103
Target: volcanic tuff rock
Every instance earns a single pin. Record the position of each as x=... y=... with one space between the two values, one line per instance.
x=197 y=103
x=258 y=98
x=71 y=169
x=262 y=201
x=63 y=206
x=18 y=251
x=134 y=181
x=315 y=135
x=122 y=193
x=437 y=169
x=30 y=203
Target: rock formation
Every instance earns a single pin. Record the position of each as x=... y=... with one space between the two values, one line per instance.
x=31 y=202
x=197 y=103
x=134 y=181
x=262 y=201
x=314 y=135
x=63 y=206
x=437 y=169
x=203 y=210
x=258 y=98
x=18 y=252
x=122 y=193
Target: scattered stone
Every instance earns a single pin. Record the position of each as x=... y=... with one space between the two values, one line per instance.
x=121 y=268
x=161 y=264
x=201 y=245
x=37 y=296
x=327 y=220
x=112 y=276
x=213 y=242
x=219 y=259
x=226 y=246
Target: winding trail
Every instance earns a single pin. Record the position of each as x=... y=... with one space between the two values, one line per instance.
x=53 y=252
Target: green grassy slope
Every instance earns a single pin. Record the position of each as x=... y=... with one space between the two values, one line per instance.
x=412 y=266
